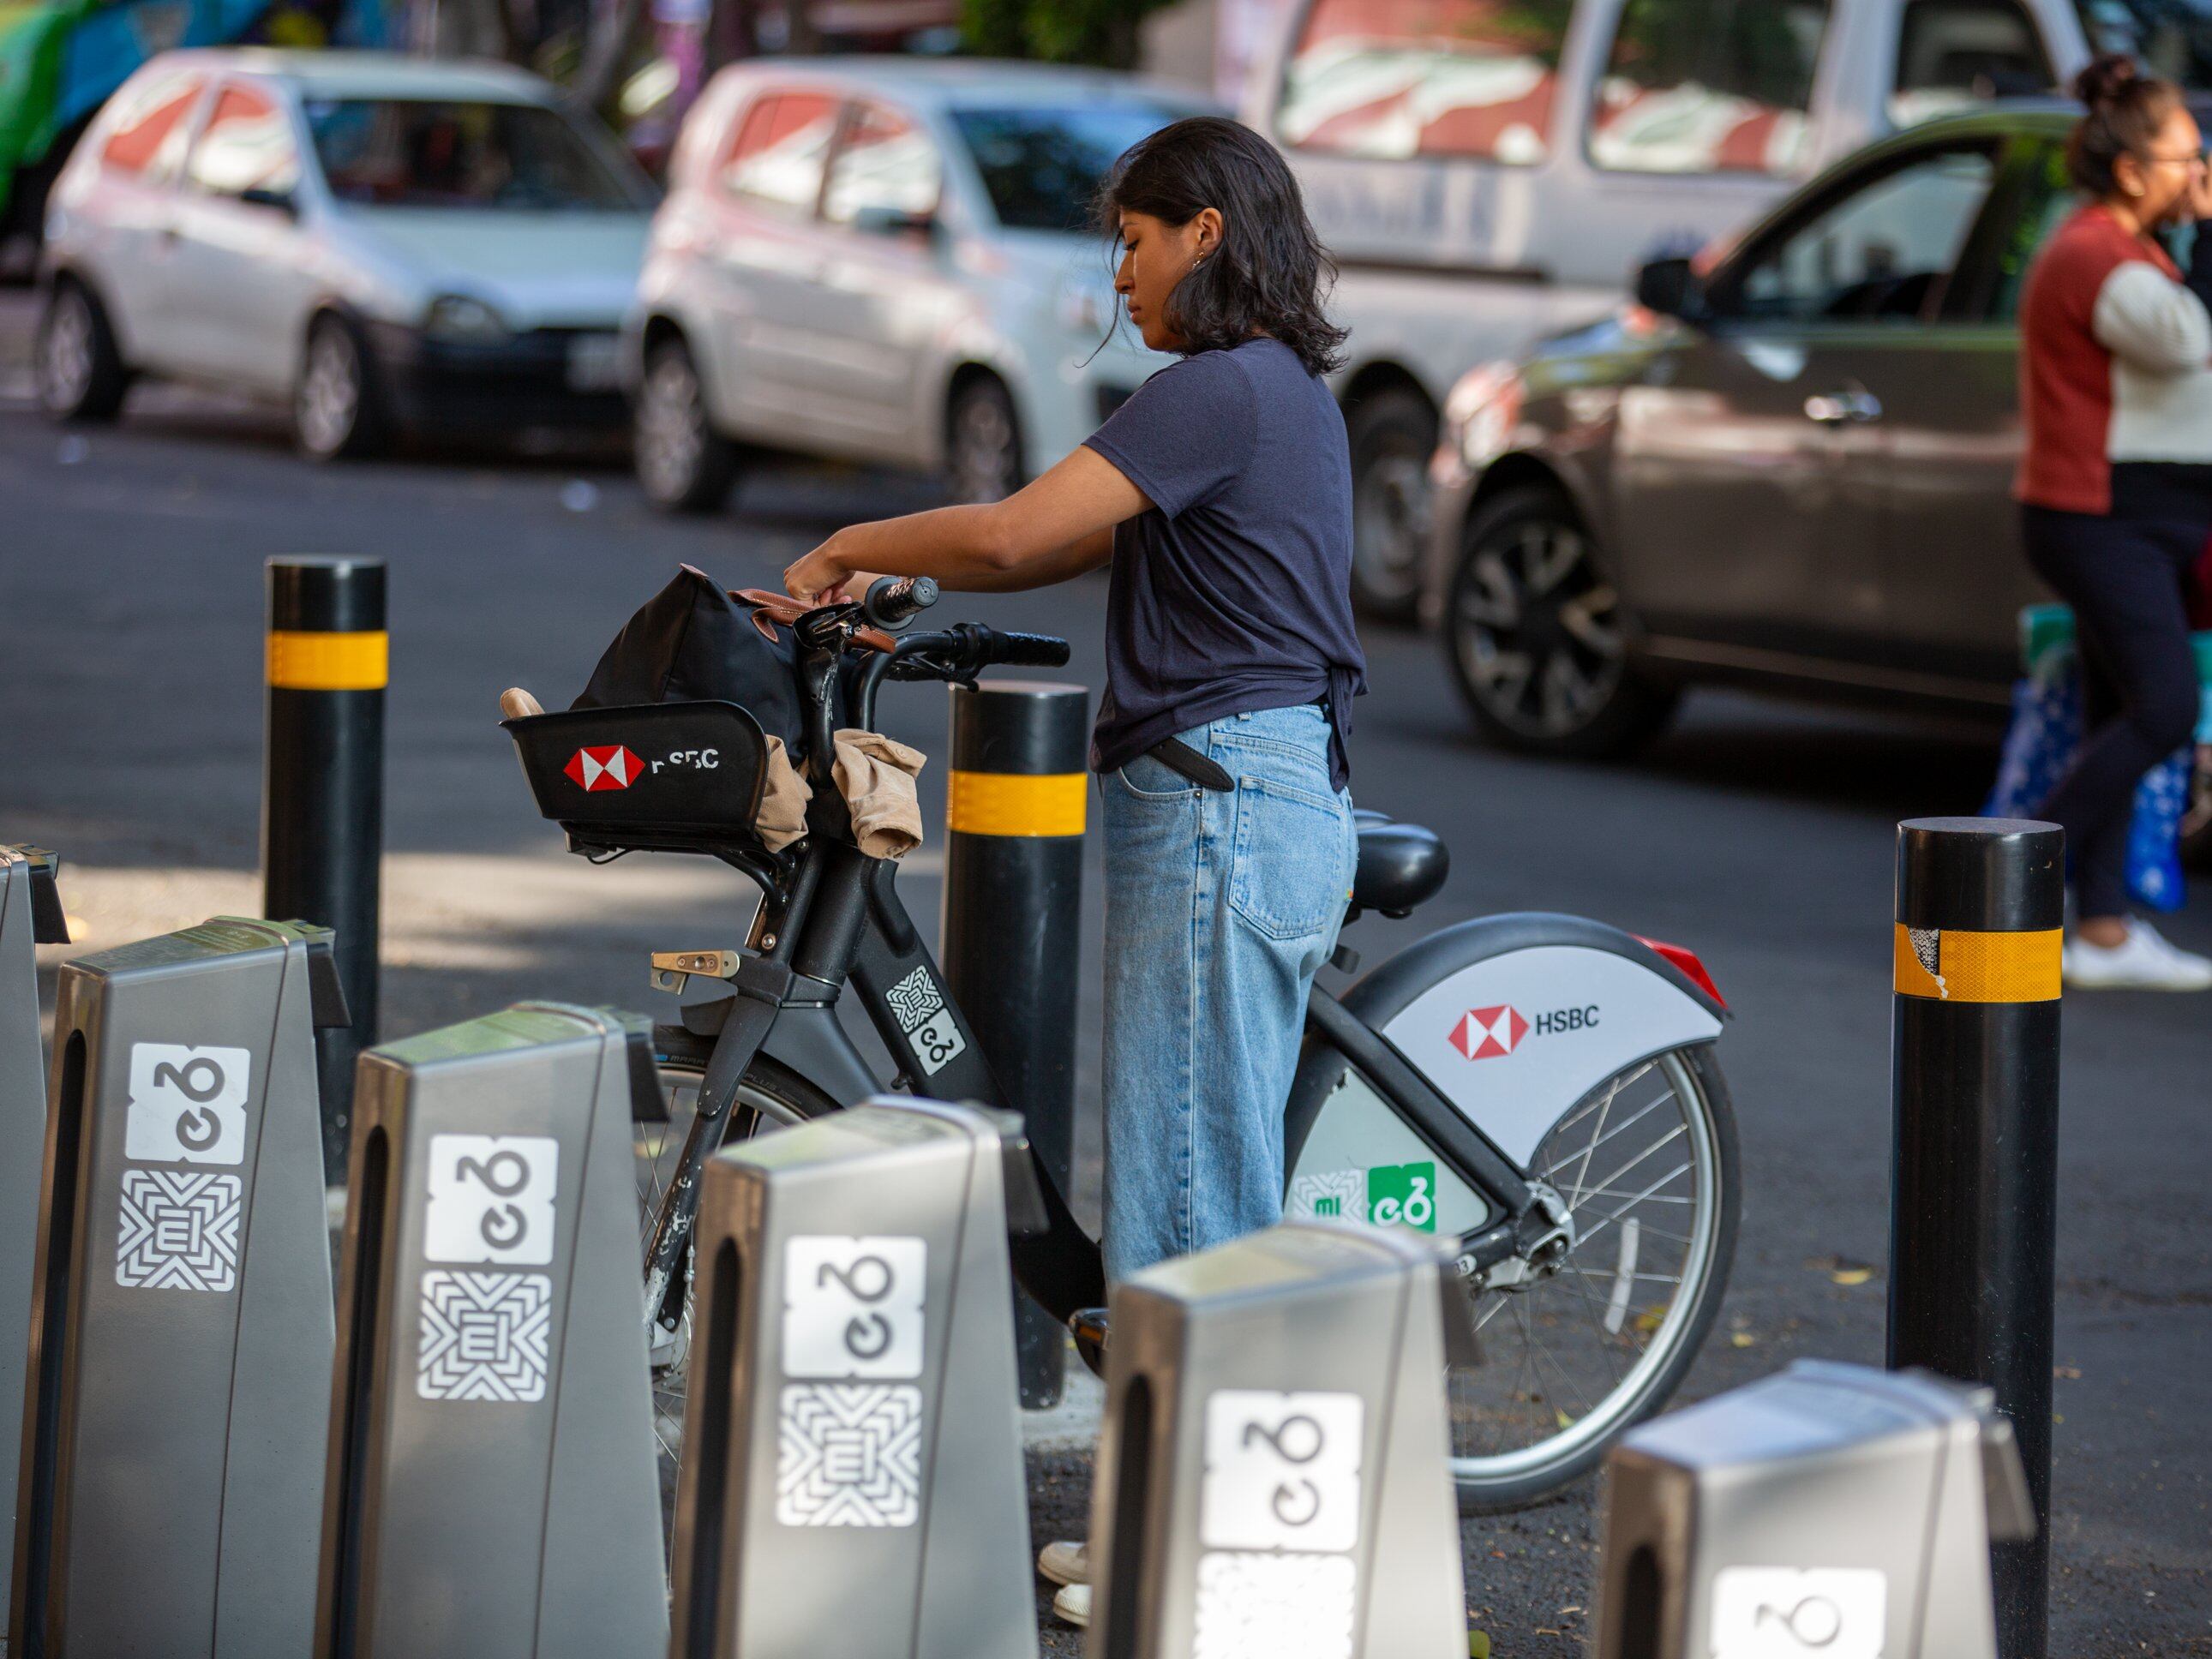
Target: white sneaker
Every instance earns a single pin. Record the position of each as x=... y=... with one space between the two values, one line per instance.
x=1073 y=1605
x=1065 y=1563
x=2145 y=961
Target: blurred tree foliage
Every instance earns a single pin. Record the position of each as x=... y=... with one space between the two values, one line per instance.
x=1102 y=31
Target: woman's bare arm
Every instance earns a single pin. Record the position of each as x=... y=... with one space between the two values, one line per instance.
x=1056 y=526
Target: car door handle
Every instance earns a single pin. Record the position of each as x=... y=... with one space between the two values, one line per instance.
x=1842 y=408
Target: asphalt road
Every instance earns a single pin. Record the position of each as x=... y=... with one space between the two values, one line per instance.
x=1759 y=835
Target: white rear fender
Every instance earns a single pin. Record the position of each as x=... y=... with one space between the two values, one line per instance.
x=1516 y=1019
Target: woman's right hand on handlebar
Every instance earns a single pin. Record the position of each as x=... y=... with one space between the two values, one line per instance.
x=822 y=578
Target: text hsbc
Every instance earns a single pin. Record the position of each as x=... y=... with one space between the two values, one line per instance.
x=1561 y=1020
x=703 y=760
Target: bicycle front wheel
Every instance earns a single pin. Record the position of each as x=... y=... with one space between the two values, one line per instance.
x=1589 y=1344
x=770 y=1096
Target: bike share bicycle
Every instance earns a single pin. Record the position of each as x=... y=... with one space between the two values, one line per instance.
x=1541 y=1087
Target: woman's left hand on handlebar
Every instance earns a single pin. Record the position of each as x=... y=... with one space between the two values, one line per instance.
x=823 y=578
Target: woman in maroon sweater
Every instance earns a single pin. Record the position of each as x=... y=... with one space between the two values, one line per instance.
x=2116 y=486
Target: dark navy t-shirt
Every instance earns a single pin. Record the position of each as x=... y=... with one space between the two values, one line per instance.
x=1234 y=592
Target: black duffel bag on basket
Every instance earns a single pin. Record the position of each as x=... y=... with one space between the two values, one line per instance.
x=666 y=749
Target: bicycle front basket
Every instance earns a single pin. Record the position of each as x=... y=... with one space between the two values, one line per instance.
x=669 y=777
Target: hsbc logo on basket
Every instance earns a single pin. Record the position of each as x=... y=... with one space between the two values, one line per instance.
x=612 y=768
x=1489 y=1033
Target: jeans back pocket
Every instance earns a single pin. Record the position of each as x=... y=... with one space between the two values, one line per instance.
x=1292 y=874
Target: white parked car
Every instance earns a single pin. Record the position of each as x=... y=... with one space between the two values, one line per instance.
x=885 y=259
x=388 y=243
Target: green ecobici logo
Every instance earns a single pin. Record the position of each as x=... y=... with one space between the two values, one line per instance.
x=1403 y=1195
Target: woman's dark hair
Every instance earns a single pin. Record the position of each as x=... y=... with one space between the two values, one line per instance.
x=1270 y=272
x=2126 y=108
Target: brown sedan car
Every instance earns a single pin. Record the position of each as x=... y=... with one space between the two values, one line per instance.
x=1789 y=464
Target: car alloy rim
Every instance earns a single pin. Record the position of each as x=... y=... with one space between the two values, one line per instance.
x=671 y=428
x=330 y=395
x=68 y=352
x=1537 y=630
x=983 y=465
x=1390 y=520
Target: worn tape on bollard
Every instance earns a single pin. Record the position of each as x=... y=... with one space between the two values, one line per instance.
x=1832 y=1510
x=1273 y=1475
x=852 y=1481
x=170 y=1473
x=491 y=1488
x=30 y=915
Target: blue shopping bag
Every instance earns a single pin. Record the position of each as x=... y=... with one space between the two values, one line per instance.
x=2040 y=744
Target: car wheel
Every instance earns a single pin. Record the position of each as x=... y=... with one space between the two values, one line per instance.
x=984 y=454
x=683 y=465
x=1392 y=435
x=336 y=414
x=80 y=374
x=1538 y=638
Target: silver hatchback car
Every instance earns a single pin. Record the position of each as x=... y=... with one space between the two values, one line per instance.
x=886 y=260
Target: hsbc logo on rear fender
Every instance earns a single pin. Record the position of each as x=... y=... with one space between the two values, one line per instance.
x=1494 y=1033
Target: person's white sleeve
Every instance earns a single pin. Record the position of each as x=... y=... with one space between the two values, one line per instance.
x=2151 y=322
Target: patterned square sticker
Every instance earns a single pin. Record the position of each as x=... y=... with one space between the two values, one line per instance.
x=849 y=1455
x=852 y=1307
x=491 y=1199
x=485 y=1336
x=1274 y=1606
x=1282 y=1471
x=179 y=1231
x=1342 y=1193
x=187 y=1105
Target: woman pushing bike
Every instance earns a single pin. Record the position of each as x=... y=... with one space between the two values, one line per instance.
x=1220 y=495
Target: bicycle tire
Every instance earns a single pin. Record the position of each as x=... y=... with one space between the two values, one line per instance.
x=768 y=1091
x=1547 y=1467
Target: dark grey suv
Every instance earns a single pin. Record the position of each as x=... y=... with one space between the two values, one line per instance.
x=1790 y=462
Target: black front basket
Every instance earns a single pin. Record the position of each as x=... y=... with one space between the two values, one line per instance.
x=671 y=777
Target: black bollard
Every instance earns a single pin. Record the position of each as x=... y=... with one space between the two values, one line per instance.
x=322 y=797
x=1013 y=919
x=1973 y=1203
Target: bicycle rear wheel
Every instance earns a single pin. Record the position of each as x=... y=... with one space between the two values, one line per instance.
x=1582 y=1349
x=770 y=1096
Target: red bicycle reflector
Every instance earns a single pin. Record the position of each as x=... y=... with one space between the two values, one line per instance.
x=1686 y=959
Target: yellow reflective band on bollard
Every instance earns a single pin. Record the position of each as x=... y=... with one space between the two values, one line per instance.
x=1949 y=965
x=1017 y=803
x=329 y=662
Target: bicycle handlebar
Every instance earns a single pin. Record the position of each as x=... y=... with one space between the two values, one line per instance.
x=1025 y=650
x=894 y=601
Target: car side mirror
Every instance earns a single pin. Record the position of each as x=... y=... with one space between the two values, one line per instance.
x=878 y=220
x=282 y=200
x=1670 y=287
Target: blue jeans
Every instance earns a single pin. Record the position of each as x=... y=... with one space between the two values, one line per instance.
x=1219 y=907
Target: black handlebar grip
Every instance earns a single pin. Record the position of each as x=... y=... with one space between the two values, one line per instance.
x=1029 y=650
x=894 y=601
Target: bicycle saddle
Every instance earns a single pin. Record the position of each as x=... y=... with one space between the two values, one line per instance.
x=1400 y=865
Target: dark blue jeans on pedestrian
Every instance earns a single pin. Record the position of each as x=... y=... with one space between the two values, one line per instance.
x=2126 y=576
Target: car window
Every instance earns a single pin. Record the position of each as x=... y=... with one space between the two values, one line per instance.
x=1042 y=167
x=1396 y=78
x=436 y=153
x=775 y=157
x=1883 y=254
x=246 y=145
x=1955 y=52
x=1707 y=86
x=2042 y=206
x=883 y=161
x=150 y=130
x=2173 y=37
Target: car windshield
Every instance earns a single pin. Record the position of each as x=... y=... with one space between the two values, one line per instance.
x=2174 y=37
x=424 y=153
x=1042 y=166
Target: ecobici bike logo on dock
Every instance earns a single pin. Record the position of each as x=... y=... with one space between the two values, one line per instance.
x=612 y=766
x=1387 y=1195
x=1491 y=1033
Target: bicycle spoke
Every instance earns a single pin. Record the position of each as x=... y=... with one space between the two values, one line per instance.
x=1631 y=1205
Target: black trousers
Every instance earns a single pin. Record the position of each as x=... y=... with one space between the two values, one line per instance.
x=2127 y=577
